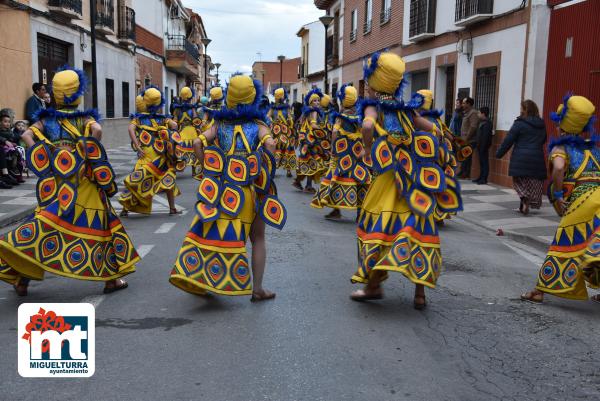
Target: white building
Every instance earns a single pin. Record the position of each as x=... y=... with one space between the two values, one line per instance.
x=312 y=59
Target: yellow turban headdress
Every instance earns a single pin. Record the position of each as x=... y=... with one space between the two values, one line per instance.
x=279 y=94
x=241 y=89
x=186 y=93
x=140 y=105
x=314 y=94
x=153 y=98
x=574 y=115
x=384 y=72
x=68 y=86
x=348 y=95
x=325 y=100
x=427 y=98
x=216 y=94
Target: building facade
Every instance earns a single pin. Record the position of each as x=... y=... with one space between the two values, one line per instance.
x=312 y=59
x=271 y=73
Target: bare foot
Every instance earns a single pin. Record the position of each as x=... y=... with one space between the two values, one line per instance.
x=534 y=296
x=262 y=295
x=367 y=294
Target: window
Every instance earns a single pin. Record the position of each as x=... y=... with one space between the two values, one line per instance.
x=470 y=8
x=167 y=95
x=422 y=17
x=485 y=88
x=419 y=80
x=295 y=96
x=334 y=89
x=386 y=11
x=125 y=99
x=368 y=16
x=449 y=104
x=353 y=25
x=110 y=98
x=147 y=82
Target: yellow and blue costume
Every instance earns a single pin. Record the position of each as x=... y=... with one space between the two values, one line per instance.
x=447 y=158
x=311 y=155
x=189 y=123
x=282 y=128
x=345 y=184
x=574 y=256
x=155 y=171
x=326 y=125
x=237 y=185
x=396 y=226
x=74 y=232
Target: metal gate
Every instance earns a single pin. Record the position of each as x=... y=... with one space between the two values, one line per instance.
x=485 y=89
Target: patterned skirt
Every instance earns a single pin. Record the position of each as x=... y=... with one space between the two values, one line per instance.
x=574 y=256
x=87 y=242
x=285 y=146
x=185 y=149
x=391 y=237
x=312 y=154
x=151 y=175
x=531 y=189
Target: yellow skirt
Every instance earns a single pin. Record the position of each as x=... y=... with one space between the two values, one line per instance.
x=213 y=255
x=186 y=146
x=88 y=242
x=151 y=175
x=391 y=237
x=574 y=256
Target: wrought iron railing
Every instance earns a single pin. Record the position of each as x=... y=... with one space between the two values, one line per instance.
x=105 y=13
x=73 y=5
x=385 y=15
x=469 y=8
x=179 y=42
x=126 y=23
x=353 y=35
x=422 y=17
x=367 y=26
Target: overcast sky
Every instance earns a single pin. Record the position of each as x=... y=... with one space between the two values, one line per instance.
x=240 y=29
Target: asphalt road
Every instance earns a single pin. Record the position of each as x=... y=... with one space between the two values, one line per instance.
x=476 y=340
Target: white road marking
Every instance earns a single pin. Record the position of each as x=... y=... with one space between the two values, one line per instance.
x=144 y=250
x=165 y=228
x=95 y=300
x=528 y=254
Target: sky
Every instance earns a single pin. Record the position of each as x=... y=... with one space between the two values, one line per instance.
x=240 y=29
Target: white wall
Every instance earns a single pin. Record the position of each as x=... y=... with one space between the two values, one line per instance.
x=149 y=15
x=537 y=52
x=118 y=65
x=316 y=47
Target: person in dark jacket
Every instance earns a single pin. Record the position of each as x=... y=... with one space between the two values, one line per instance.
x=527 y=162
x=485 y=134
x=35 y=102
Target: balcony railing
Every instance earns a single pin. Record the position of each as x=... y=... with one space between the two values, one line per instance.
x=422 y=18
x=353 y=35
x=385 y=16
x=126 y=32
x=179 y=42
x=67 y=8
x=367 y=26
x=468 y=11
x=105 y=16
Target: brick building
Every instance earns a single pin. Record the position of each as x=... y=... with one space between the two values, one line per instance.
x=270 y=73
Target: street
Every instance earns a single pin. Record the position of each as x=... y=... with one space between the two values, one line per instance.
x=475 y=340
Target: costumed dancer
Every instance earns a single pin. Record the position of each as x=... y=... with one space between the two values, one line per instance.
x=447 y=159
x=311 y=156
x=396 y=227
x=155 y=141
x=282 y=129
x=573 y=259
x=237 y=196
x=215 y=101
x=190 y=124
x=327 y=126
x=348 y=178
x=74 y=232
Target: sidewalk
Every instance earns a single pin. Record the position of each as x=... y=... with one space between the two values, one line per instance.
x=20 y=201
x=493 y=207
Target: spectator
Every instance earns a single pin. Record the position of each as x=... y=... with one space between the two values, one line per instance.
x=6 y=180
x=457 y=117
x=485 y=133
x=468 y=131
x=35 y=102
x=527 y=162
x=18 y=130
x=47 y=100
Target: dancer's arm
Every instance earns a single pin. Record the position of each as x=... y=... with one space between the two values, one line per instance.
x=264 y=133
x=313 y=120
x=203 y=140
x=558 y=167
x=28 y=135
x=368 y=128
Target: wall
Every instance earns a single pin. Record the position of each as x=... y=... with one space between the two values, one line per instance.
x=149 y=15
x=316 y=49
x=119 y=65
x=15 y=56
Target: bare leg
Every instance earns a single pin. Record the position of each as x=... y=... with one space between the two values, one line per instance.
x=259 y=256
x=171 y=199
x=373 y=288
x=419 y=300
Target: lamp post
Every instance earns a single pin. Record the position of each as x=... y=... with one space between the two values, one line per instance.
x=326 y=20
x=280 y=58
x=205 y=42
x=217 y=65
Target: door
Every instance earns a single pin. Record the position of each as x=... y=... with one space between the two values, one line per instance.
x=52 y=54
x=449 y=104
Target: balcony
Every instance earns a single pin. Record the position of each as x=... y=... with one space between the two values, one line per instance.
x=182 y=56
x=70 y=9
x=385 y=16
x=105 y=17
x=331 y=51
x=126 y=34
x=422 y=20
x=353 y=35
x=367 y=25
x=471 y=11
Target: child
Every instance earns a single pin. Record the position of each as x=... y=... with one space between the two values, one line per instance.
x=12 y=162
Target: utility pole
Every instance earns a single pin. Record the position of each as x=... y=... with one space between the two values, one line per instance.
x=93 y=49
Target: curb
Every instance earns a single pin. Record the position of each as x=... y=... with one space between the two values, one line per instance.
x=527 y=239
x=16 y=216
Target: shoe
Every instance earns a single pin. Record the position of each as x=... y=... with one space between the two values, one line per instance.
x=476 y=180
x=482 y=182
x=4 y=185
x=19 y=178
x=9 y=180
